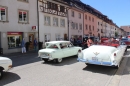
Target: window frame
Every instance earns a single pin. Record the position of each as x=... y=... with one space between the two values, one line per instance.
x=46 y=20
x=27 y=12
x=27 y=1
x=57 y=24
x=61 y=23
x=80 y=27
x=72 y=13
x=6 y=13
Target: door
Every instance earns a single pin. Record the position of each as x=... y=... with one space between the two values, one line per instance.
x=31 y=39
x=65 y=36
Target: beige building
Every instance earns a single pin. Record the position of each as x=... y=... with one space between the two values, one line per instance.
x=53 y=23
x=17 y=18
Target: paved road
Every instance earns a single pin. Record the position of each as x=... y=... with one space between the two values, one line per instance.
x=31 y=71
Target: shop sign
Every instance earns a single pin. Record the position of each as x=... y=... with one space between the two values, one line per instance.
x=34 y=28
x=14 y=33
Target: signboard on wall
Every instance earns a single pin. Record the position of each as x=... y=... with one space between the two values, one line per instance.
x=34 y=28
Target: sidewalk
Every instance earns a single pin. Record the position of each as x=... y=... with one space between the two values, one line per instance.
x=122 y=76
x=19 y=53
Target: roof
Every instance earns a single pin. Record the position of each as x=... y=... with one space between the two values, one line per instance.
x=57 y=42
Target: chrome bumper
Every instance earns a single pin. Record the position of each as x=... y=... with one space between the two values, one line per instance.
x=96 y=62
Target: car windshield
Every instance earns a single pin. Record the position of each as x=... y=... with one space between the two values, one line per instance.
x=53 y=46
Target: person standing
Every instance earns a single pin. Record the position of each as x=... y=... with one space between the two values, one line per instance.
x=35 y=44
x=23 y=46
x=89 y=42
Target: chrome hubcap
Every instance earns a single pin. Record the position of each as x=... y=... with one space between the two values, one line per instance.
x=59 y=60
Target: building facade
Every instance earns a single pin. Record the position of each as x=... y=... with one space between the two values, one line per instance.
x=75 y=20
x=17 y=21
x=126 y=28
x=90 y=24
x=53 y=23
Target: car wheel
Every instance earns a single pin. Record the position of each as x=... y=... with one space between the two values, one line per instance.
x=116 y=67
x=1 y=74
x=87 y=64
x=45 y=60
x=59 y=60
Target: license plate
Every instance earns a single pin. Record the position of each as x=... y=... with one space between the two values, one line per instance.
x=44 y=56
x=94 y=58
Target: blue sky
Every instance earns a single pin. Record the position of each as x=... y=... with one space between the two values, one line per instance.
x=117 y=10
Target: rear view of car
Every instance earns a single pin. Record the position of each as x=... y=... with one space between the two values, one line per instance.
x=126 y=41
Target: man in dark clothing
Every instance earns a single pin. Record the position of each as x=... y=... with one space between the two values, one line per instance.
x=35 y=44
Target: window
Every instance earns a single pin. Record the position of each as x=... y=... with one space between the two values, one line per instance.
x=86 y=17
x=72 y=14
x=3 y=14
x=98 y=23
x=23 y=0
x=62 y=9
x=14 y=39
x=47 y=20
x=52 y=6
x=47 y=37
x=55 y=21
x=77 y=26
x=89 y=18
x=86 y=27
x=93 y=28
x=89 y=27
x=23 y=16
x=80 y=26
x=58 y=37
x=73 y=25
x=62 y=22
x=80 y=15
x=93 y=19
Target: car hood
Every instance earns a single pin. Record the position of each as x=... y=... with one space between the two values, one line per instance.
x=4 y=58
x=47 y=50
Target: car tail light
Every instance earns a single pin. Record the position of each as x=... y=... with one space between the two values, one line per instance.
x=79 y=51
x=114 y=54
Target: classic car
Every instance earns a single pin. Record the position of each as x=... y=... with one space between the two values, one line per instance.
x=57 y=50
x=126 y=41
x=5 y=65
x=106 y=54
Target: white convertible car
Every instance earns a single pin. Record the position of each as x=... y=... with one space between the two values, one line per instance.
x=56 y=50
x=106 y=55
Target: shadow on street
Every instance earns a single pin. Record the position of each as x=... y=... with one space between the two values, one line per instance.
x=23 y=59
x=9 y=78
x=100 y=69
x=65 y=61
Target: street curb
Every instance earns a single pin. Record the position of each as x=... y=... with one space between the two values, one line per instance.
x=115 y=79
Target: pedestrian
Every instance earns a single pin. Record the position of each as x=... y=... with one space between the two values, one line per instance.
x=23 y=46
x=35 y=44
x=89 y=42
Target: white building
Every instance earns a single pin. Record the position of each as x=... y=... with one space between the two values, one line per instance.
x=53 y=23
x=17 y=17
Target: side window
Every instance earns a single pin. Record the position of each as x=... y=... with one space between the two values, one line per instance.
x=63 y=45
x=70 y=45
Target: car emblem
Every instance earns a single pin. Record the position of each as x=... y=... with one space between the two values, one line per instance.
x=96 y=53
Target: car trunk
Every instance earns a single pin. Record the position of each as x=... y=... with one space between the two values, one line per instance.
x=99 y=53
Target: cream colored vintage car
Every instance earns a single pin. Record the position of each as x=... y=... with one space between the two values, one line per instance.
x=5 y=65
x=103 y=55
x=57 y=50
